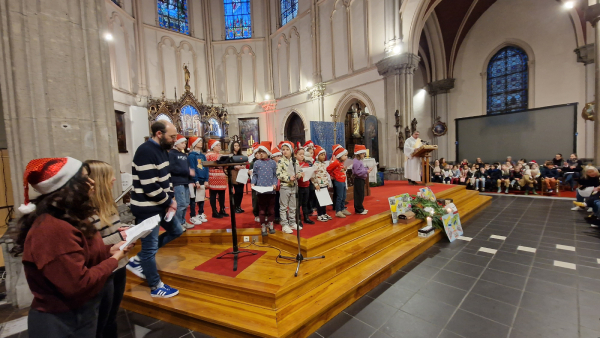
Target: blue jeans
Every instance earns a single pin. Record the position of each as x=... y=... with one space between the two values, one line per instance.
x=579 y=197
x=340 y=195
x=477 y=180
x=182 y=196
x=571 y=179
x=153 y=242
x=596 y=208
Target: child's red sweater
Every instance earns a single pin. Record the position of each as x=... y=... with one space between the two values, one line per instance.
x=301 y=182
x=337 y=171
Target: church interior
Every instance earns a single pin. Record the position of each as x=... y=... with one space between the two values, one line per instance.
x=474 y=122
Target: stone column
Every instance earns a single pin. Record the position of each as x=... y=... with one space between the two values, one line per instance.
x=398 y=71
x=439 y=91
x=55 y=83
x=592 y=15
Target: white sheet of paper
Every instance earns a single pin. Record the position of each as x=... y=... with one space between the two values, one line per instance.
x=242 y=176
x=192 y=188
x=262 y=190
x=140 y=231
x=323 y=197
x=200 y=197
x=308 y=172
x=348 y=163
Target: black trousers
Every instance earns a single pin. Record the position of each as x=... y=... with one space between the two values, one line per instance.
x=238 y=194
x=213 y=199
x=109 y=306
x=359 y=194
x=255 y=204
x=276 y=209
x=81 y=322
x=312 y=198
x=265 y=207
x=303 y=196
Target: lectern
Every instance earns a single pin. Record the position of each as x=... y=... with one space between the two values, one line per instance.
x=424 y=152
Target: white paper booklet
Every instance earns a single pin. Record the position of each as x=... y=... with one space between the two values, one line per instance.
x=308 y=172
x=140 y=231
x=262 y=190
x=242 y=176
x=323 y=197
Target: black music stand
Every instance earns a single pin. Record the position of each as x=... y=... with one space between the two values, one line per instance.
x=227 y=167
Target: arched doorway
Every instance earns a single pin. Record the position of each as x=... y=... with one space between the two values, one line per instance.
x=294 y=129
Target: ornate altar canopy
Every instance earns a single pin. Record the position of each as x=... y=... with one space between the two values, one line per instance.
x=191 y=117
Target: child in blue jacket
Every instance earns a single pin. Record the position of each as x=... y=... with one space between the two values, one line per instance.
x=200 y=180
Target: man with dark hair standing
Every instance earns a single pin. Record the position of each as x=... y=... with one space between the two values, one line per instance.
x=152 y=195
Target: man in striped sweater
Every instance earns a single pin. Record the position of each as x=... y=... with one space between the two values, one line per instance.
x=152 y=194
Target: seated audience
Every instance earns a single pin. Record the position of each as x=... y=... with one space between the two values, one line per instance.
x=447 y=174
x=471 y=176
x=517 y=177
x=504 y=178
x=480 y=178
x=464 y=173
x=437 y=176
x=455 y=175
x=572 y=170
x=510 y=160
x=587 y=182
x=558 y=160
x=464 y=162
x=493 y=177
x=550 y=175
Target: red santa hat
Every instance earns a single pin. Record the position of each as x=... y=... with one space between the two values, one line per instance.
x=193 y=141
x=47 y=175
x=335 y=147
x=309 y=144
x=298 y=147
x=265 y=146
x=286 y=143
x=180 y=139
x=359 y=149
x=255 y=146
x=275 y=152
x=339 y=152
x=318 y=151
x=213 y=143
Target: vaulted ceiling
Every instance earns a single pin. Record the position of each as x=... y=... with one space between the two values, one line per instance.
x=457 y=17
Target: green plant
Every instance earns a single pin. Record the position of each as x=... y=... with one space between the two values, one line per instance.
x=418 y=206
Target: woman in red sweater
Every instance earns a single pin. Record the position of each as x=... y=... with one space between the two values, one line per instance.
x=65 y=260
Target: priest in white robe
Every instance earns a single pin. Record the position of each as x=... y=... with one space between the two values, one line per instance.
x=412 y=166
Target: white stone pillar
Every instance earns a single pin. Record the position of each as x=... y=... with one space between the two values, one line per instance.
x=593 y=16
x=398 y=71
x=55 y=83
x=439 y=91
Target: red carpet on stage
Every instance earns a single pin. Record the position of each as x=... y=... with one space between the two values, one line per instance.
x=376 y=203
x=224 y=266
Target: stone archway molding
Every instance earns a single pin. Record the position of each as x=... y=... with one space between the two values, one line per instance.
x=286 y=118
x=344 y=103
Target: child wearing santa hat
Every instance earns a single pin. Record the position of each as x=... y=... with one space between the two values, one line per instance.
x=337 y=171
x=217 y=181
x=360 y=173
x=265 y=175
x=320 y=181
x=252 y=159
x=180 y=177
x=276 y=156
x=303 y=187
x=288 y=172
x=199 y=180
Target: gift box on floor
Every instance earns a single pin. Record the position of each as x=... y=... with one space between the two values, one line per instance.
x=426 y=231
x=406 y=217
x=445 y=201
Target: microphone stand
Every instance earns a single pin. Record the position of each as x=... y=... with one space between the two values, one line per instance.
x=299 y=258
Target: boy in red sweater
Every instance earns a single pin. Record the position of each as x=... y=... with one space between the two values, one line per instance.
x=303 y=186
x=337 y=171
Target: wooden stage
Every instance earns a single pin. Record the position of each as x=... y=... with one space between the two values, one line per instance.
x=265 y=299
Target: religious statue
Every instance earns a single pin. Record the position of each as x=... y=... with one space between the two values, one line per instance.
x=186 y=71
x=356 y=121
x=407 y=133
x=413 y=126
x=226 y=128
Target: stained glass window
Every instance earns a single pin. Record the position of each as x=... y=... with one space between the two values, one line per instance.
x=289 y=10
x=238 y=22
x=117 y=2
x=507 y=82
x=172 y=15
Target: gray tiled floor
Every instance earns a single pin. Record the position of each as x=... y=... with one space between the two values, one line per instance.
x=454 y=290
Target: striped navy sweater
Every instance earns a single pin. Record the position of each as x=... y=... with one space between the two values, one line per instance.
x=152 y=188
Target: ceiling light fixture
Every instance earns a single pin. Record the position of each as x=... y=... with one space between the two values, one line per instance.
x=108 y=37
x=569 y=4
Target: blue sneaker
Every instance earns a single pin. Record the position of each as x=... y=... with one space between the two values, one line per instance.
x=135 y=267
x=164 y=291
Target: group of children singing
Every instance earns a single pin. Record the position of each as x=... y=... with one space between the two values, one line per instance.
x=281 y=168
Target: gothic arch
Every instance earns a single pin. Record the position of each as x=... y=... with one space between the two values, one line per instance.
x=180 y=65
x=531 y=66
x=224 y=63
x=286 y=117
x=240 y=72
x=161 y=61
x=344 y=103
x=115 y=18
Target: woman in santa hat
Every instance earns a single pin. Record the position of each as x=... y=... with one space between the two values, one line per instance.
x=217 y=180
x=65 y=260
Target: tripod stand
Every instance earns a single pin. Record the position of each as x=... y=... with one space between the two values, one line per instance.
x=299 y=258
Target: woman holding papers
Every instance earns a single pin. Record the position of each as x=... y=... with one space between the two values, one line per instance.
x=66 y=263
x=264 y=181
x=108 y=223
x=320 y=180
x=238 y=188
